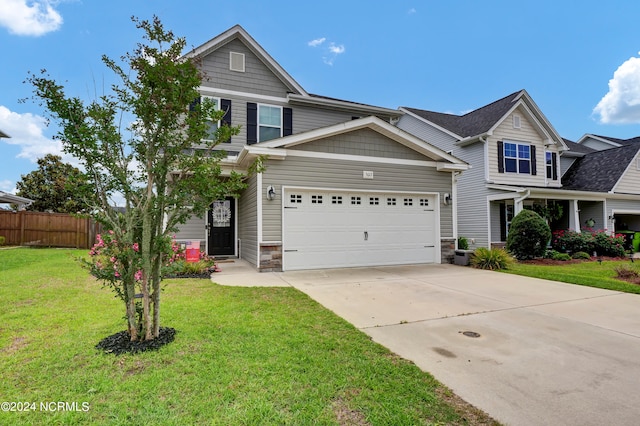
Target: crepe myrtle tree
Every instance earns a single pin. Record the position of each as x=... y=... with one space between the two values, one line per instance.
x=150 y=163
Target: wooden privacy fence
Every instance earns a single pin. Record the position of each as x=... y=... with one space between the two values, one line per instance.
x=47 y=229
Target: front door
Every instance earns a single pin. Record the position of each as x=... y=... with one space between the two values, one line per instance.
x=221 y=228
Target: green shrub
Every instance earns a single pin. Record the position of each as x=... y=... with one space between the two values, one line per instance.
x=588 y=241
x=2 y=240
x=549 y=254
x=182 y=267
x=463 y=243
x=581 y=255
x=493 y=259
x=608 y=245
x=561 y=256
x=528 y=235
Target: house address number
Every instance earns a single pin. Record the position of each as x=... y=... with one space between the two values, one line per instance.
x=367 y=174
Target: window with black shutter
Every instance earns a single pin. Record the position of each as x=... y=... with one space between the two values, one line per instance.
x=252 y=123
x=225 y=105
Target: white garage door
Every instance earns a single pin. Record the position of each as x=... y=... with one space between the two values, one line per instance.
x=332 y=229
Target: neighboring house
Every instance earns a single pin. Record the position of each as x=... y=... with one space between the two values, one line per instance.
x=20 y=202
x=517 y=159
x=6 y=198
x=342 y=187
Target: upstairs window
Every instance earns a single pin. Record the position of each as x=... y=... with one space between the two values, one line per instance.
x=516 y=158
x=212 y=126
x=551 y=160
x=269 y=122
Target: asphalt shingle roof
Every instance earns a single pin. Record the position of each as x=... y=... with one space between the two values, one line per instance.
x=473 y=123
x=577 y=147
x=599 y=171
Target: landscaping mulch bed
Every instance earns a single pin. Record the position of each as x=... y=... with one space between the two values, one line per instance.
x=545 y=261
x=206 y=275
x=630 y=276
x=120 y=343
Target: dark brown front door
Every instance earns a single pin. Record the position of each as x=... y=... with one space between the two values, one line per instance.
x=221 y=227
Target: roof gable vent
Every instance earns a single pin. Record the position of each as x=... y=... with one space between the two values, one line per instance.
x=236 y=61
x=516 y=121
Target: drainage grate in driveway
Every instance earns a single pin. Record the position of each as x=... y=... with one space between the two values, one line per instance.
x=471 y=334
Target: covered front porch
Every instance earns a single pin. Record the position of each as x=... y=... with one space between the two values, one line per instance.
x=562 y=209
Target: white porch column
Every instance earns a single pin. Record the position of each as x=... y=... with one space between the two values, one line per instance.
x=518 y=203
x=574 y=215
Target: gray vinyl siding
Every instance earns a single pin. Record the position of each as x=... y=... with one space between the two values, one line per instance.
x=365 y=142
x=304 y=118
x=565 y=163
x=248 y=222
x=472 y=194
x=257 y=77
x=592 y=210
x=330 y=173
x=428 y=133
x=472 y=197
x=193 y=229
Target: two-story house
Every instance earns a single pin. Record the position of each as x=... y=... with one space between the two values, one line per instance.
x=517 y=160
x=342 y=187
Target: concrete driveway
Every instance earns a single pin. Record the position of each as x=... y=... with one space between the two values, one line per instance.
x=545 y=353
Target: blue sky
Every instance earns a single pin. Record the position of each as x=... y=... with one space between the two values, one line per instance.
x=579 y=61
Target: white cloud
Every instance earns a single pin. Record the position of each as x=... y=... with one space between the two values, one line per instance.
x=29 y=17
x=621 y=105
x=331 y=51
x=338 y=50
x=412 y=11
x=27 y=132
x=317 y=42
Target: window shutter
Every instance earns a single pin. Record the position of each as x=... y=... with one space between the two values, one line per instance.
x=534 y=171
x=252 y=123
x=287 y=121
x=500 y=157
x=225 y=105
x=194 y=104
x=554 y=166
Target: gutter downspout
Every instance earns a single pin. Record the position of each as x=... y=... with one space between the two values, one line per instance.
x=454 y=205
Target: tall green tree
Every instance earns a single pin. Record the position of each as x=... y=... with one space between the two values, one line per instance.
x=150 y=163
x=56 y=186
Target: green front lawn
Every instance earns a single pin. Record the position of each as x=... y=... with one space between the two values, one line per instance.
x=241 y=356
x=592 y=274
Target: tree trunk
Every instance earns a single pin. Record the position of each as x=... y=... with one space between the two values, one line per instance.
x=147 y=253
x=155 y=279
x=131 y=312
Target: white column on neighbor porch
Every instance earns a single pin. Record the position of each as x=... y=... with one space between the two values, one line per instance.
x=574 y=215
